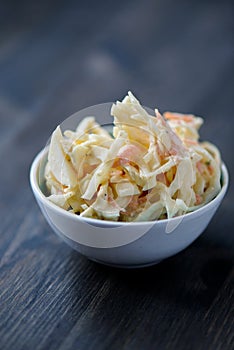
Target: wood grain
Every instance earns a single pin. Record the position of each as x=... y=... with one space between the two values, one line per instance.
x=56 y=58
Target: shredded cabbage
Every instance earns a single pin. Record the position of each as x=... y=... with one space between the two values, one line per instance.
x=154 y=167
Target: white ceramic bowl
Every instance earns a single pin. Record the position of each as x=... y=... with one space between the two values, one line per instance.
x=124 y=244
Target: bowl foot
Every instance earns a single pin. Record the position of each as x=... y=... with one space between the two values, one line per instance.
x=126 y=266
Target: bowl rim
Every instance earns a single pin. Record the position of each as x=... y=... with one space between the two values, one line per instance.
x=33 y=178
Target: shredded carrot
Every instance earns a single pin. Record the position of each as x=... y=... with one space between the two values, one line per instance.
x=190 y=141
x=198 y=199
x=178 y=116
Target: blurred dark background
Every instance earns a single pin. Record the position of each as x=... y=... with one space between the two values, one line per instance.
x=57 y=57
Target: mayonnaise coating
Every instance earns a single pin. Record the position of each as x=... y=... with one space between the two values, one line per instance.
x=152 y=167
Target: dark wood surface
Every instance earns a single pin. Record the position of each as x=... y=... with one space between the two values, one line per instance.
x=57 y=57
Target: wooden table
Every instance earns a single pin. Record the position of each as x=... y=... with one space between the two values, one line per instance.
x=57 y=57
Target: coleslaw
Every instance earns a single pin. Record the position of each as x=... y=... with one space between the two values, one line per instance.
x=149 y=168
